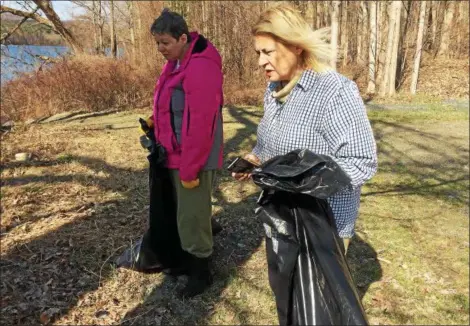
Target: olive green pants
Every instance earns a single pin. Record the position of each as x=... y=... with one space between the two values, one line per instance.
x=194 y=212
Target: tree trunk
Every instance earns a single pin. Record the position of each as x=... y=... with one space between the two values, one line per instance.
x=113 y=31
x=445 y=31
x=463 y=25
x=381 y=32
x=334 y=32
x=130 y=6
x=320 y=13
x=419 y=47
x=222 y=34
x=314 y=15
x=364 y=28
x=427 y=28
x=388 y=56
x=434 y=7
x=396 y=39
x=344 y=33
x=204 y=14
x=95 y=27
x=139 y=27
x=59 y=27
x=372 y=46
x=326 y=8
x=360 y=17
x=101 y=26
x=403 y=43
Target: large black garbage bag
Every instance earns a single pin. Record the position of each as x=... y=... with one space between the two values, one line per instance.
x=160 y=246
x=307 y=269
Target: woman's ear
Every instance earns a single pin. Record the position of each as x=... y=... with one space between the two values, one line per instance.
x=184 y=39
x=298 y=50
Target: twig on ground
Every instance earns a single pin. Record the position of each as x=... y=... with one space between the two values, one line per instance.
x=138 y=316
x=91 y=272
x=101 y=269
x=384 y=260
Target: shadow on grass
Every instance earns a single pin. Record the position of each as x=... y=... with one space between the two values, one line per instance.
x=54 y=270
x=233 y=247
x=242 y=235
x=50 y=272
x=446 y=176
x=364 y=264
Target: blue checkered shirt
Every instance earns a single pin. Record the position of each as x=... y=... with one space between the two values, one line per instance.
x=325 y=114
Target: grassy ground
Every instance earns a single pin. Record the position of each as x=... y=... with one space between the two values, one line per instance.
x=83 y=201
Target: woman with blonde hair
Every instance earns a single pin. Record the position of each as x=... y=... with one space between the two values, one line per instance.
x=307 y=105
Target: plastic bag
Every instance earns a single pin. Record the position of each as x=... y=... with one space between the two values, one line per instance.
x=307 y=270
x=160 y=246
x=137 y=258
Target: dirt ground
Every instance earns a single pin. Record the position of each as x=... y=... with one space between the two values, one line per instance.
x=83 y=199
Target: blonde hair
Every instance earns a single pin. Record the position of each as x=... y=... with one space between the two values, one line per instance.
x=287 y=25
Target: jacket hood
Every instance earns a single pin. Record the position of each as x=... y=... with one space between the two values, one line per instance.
x=200 y=47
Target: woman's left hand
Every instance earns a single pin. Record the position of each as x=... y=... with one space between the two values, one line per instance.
x=190 y=184
x=241 y=176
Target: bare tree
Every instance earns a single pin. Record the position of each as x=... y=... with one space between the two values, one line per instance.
x=372 y=46
x=130 y=7
x=434 y=12
x=389 y=47
x=419 y=47
x=113 y=30
x=334 y=32
x=463 y=26
x=395 y=24
x=315 y=19
x=52 y=20
x=360 y=17
x=403 y=40
x=344 y=32
x=445 y=32
x=381 y=37
x=326 y=9
x=46 y=8
x=95 y=26
x=6 y=35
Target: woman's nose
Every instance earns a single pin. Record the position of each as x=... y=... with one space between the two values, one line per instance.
x=262 y=60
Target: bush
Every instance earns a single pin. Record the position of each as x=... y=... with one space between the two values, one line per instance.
x=89 y=83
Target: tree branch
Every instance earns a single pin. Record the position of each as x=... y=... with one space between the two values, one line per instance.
x=54 y=20
x=13 y=30
x=27 y=15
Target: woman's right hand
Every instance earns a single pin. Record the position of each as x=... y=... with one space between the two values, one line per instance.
x=245 y=176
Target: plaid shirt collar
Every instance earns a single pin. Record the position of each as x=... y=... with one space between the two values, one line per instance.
x=307 y=79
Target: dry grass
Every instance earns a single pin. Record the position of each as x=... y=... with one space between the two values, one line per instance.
x=93 y=83
x=439 y=78
x=65 y=216
x=89 y=83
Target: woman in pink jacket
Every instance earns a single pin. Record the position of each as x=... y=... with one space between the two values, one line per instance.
x=188 y=123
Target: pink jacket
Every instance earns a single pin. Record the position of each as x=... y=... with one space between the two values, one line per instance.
x=200 y=75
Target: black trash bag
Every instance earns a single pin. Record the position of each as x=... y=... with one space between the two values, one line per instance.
x=160 y=246
x=307 y=269
x=139 y=258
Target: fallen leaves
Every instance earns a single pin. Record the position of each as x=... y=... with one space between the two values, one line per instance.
x=47 y=316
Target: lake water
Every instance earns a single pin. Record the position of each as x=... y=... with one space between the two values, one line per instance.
x=17 y=59
x=21 y=58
